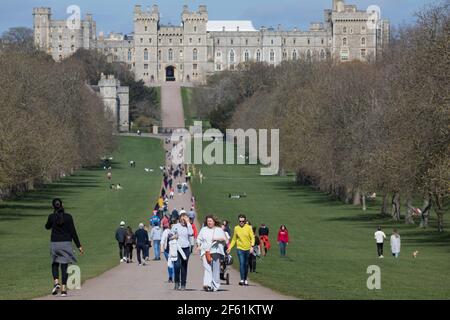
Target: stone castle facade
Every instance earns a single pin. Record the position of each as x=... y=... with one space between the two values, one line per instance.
x=199 y=46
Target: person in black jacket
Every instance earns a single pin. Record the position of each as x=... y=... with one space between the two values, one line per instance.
x=63 y=233
x=121 y=233
x=141 y=242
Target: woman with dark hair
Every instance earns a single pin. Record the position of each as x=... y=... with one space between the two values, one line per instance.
x=283 y=239
x=63 y=233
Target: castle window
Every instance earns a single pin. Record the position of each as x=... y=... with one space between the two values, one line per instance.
x=194 y=55
x=363 y=53
x=351 y=30
x=170 y=41
x=231 y=56
x=363 y=29
x=344 y=41
x=284 y=55
x=142 y=40
x=294 y=55
x=246 y=56
x=72 y=38
x=190 y=40
x=232 y=41
x=344 y=30
x=146 y=54
x=246 y=42
x=219 y=54
x=322 y=54
x=72 y=48
x=308 y=55
x=363 y=41
x=271 y=41
x=309 y=41
x=170 y=54
x=149 y=40
x=146 y=28
x=284 y=41
x=195 y=66
x=218 y=67
x=159 y=55
x=181 y=54
x=181 y=40
x=129 y=55
x=195 y=29
x=146 y=66
x=258 y=56
x=322 y=41
x=218 y=41
x=294 y=41
x=60 y=47
x=199 y=40
x=272 y=56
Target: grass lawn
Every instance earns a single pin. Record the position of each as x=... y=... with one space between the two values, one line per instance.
x=97 y=211
x=189 y=111
x=331 y=243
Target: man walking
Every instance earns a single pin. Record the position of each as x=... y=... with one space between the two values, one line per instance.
x=244 y=237
x=141 y=243
x=379 y=237
x=120 y=237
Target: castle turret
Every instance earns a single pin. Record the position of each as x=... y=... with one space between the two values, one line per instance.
x=41 y=21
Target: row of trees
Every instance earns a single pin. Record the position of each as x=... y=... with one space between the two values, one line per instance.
x=50 y=121
x=356 y=128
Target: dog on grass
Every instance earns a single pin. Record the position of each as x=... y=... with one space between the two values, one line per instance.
x=415 y=254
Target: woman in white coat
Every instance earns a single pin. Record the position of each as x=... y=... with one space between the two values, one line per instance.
x=395 y=244
x=211 y=241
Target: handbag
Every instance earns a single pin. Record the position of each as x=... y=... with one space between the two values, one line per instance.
x=208 y=255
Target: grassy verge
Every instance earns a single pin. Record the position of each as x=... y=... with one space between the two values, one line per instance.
x=97 y=211
x=331 y=243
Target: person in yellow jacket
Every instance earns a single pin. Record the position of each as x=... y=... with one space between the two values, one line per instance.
x=244 y=237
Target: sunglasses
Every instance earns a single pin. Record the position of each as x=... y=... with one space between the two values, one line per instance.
x=241 y=221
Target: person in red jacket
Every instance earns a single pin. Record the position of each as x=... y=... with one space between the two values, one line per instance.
x=194 y=237
x=283 y=239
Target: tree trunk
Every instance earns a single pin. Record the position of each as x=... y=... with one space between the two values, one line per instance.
x=426 y=209
x=396 y=206
x=384 y=205
x=357 y=198
x=409 y=216
x=439 y=208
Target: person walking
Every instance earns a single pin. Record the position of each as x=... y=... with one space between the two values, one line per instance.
x=263 y=233
x=141 y=243
x=395 y=244
x=181 y=232
x=255 y=254
x=174 y=216
x=244 y=238
x=193 y=238
x=148 y=245
x=155 y=236
x=211 y=241
x=129 y=243
x=283 y=239
x=379 y=237
x=120 y=237
x=165 y=238
x=63 y=233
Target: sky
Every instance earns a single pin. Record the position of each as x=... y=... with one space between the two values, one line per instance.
x=117 y=15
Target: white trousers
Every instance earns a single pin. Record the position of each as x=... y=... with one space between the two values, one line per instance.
x=211 y=275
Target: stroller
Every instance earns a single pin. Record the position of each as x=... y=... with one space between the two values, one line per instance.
x=226 y=261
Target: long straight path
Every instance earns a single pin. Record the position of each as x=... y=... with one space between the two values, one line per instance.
x=133 y=282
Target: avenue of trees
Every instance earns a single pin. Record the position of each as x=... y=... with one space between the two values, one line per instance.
x=51 y=122
x=356 y=128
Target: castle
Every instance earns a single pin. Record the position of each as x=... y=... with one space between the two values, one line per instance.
x=199 y=46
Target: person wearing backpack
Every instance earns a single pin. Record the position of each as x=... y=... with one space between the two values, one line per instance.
x=155 y=220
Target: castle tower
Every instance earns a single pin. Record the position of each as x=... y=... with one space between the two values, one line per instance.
x=41 y=21
x=108 y=91
x=146 y=26
x=195 y=40
x=338 y=5
x=89 y=32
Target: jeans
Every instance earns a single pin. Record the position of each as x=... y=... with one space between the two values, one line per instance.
x=283 y=248
x=170 y=270
x=380 y=249
x=157 y=248
x=121 y=250
x=140 y=248
x=129 y=251
x=243 y=256
x=146 y=251
x=181 y=267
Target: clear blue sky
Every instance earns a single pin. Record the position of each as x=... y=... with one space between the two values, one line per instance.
x=116 y=15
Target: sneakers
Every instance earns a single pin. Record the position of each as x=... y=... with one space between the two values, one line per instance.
x=183 y=288
x=381 y=257
x=246 y=283
x=170 y=280
x=56 y=288
x=241 y=283
x=63 y=293
x=177 y=286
